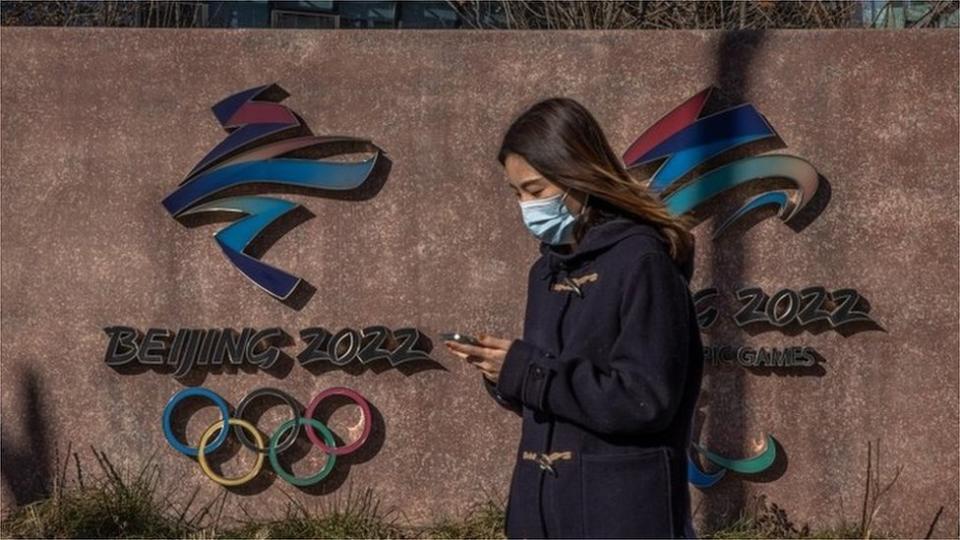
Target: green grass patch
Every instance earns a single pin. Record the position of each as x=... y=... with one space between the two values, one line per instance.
x=116 y=504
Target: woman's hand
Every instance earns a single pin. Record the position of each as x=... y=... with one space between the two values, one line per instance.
x=488 y=357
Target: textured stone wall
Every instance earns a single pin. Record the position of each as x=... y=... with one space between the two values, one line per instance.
x=99 y=125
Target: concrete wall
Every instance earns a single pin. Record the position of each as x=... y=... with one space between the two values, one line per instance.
x=100 y=124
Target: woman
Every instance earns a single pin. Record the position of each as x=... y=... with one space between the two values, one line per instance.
x=607 y=374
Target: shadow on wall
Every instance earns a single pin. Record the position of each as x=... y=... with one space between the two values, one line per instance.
x=25 y=464
x=734 y=53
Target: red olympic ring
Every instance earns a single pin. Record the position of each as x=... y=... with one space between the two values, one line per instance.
x=356 y=398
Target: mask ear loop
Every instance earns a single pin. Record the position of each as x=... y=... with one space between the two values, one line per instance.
x=582 y=208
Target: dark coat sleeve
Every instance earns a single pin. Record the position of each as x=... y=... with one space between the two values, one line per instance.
x=642 y=389
x=507 y=403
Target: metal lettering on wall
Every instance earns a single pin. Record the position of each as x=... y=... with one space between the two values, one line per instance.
x=813 y=309
x=187 y=348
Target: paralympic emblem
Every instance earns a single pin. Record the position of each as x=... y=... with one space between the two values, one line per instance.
x=683 y=141
x=268 y=144
x=286 y=432
x=682 y=145
x=762 y=460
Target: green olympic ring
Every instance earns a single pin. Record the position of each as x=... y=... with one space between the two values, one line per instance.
x=327 y=437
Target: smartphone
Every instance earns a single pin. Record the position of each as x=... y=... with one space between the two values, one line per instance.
x=460 y=338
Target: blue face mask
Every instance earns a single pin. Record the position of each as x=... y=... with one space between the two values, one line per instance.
x=549 y=219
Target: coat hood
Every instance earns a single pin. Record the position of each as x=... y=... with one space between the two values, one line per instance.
x=599 y=238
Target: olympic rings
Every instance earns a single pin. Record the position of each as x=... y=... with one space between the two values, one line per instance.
x=358 y=399
x=273 y=446
x=202 y=458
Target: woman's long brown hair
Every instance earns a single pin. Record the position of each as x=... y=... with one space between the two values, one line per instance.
x=564 y=142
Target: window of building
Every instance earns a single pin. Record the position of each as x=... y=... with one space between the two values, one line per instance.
x=299 y=19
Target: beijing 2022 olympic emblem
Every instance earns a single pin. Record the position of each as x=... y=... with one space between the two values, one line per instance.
x=268 y=145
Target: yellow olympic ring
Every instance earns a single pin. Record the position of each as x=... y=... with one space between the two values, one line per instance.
x=203 y=459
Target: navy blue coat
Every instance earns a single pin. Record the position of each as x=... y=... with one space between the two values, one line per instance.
x=606 y=379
